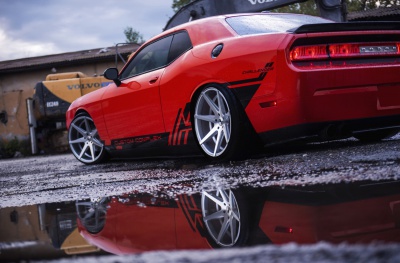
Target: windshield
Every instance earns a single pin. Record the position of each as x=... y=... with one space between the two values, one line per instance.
x=271 y=23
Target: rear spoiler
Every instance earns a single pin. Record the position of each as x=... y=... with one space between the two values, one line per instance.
x=349 y=26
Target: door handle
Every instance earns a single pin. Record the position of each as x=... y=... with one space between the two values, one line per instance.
x=153 y=80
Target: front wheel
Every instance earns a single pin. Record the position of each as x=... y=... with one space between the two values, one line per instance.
x=218 y=123
x=84 y=140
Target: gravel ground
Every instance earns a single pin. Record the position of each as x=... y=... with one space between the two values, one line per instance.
x=43 y=179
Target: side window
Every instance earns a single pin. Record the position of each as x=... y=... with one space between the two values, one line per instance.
x=180 y=44
x=153 y=56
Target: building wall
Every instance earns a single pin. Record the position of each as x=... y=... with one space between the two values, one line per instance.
x=15 y=88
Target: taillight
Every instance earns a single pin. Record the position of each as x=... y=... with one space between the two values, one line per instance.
x=344 y=50
x=309 y=53
x=335 y=51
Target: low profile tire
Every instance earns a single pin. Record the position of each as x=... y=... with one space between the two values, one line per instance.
x=84 y=140
x=375 y=136
x=219 y=123
x=225 y=218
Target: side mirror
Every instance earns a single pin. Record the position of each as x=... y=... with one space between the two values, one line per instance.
x=112 y=74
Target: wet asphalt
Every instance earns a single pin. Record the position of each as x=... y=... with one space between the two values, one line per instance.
x=57 y=178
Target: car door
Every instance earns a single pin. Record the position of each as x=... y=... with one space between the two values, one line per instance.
x=133 y=108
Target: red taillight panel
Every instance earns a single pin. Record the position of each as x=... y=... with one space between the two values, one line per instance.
x=331 y=52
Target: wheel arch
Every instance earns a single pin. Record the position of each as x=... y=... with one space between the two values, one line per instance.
x=252 y=140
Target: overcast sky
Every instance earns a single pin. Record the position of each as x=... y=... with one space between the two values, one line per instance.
x=30 y=28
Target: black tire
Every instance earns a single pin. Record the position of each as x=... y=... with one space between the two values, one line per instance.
x=84 y=140
x=375 y=136
x=225 y=217
x=219 y=124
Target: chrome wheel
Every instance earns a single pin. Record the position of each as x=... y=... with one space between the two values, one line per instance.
x=212 y=122
x=84 y=140
x=221 y=216
x=92 y=214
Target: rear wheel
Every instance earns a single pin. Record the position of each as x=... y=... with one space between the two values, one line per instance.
x=84 y=140
x=374 y=136
x=218 y=123
x=225 y=217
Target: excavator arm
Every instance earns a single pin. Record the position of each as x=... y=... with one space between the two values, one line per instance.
x=330 y=9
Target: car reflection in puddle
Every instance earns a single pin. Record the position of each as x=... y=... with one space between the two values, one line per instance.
x=360 y=212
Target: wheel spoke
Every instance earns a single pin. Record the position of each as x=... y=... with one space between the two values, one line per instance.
x=209 y=134
x=87 y=125
x=79 y=129
x=83 y=151
x=90 y=214
x=85 y=204
x=217 y=215
x=223 y=231
x=221 y=104
x=93 y=133
x=233 y=205
x=92 y=152
x=218 y=142
x=209 y=118
x=233 y=227
x=226 y=132
x=79 y=140
x=211 y=103
x=215 y=199
x=97 y=142
x=224 y=196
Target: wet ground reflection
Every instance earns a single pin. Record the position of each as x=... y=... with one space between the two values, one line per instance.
x=359 y=212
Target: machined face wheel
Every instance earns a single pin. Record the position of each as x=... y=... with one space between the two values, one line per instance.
x=92 y=214
x=212 y=119
x=221 y=216
x=84 y=140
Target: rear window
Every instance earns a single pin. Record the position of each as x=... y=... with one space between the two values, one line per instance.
x=271 y=23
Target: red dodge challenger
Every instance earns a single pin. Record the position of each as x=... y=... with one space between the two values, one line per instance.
x=217 y=85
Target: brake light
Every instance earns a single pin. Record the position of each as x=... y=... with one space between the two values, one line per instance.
x=353 y=50
x=343 y=50
x=309 y=53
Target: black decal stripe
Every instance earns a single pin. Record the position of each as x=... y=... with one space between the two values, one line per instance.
x=260 y=77
x=185 y=210
x=144 y=141
x=175 y=128
x=244 y=81
x=246 y=93
x=182 y=128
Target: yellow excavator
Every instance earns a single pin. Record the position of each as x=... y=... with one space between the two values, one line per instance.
x=47 y=108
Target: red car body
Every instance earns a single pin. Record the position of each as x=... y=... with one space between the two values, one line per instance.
x=319 y=79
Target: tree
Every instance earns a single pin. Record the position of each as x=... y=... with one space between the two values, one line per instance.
x=133 y=36
x=177 y=4
x=309 y=8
